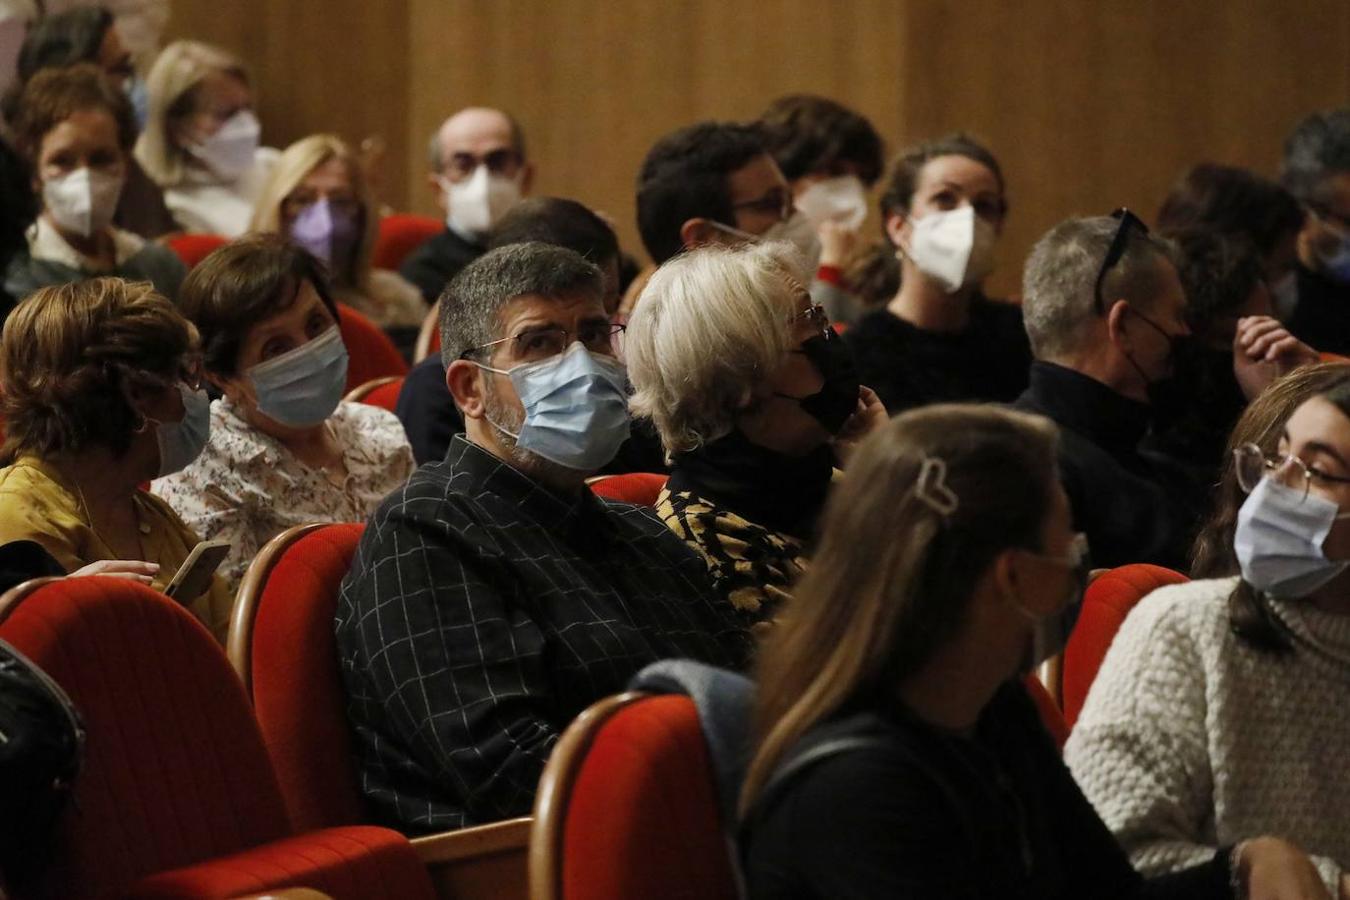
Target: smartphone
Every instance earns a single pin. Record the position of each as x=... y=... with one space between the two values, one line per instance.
x=194 y=575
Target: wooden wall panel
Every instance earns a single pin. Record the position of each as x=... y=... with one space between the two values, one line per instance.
x=319 y=65
x=1088 y=105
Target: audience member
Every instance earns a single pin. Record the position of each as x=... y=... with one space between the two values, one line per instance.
x=1105 y=311
x=200 y=141
x=1240 y=204
x=896 y=753
x=479 y=170
x=317 y=197
x=494 y=597
x=425 y=407
x=1238 y=349
x=102 y=393
x=76 y=131
x=284 y=449
x=710 y=183
x=1316 y=170
x=1212 y=716
x=756 y=399
x=89 y=34
x=831 y=157
x=939 y=338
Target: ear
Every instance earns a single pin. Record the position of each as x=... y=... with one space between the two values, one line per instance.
x=895 y=228
x=696 y=233
x=1115 y=323
x=464 y=380
x=526 y=179
x=1003 y=572
x=234 y=389
x=434 y=181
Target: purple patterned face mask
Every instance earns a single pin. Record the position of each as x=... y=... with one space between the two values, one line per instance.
x=327 y=232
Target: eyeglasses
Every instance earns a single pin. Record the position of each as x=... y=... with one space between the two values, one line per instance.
x=1329 y=217
x=777 y=202
x=503 y=161
x=816 y=316
x=534 y=344
x=1251 y=465
x=1120 y=242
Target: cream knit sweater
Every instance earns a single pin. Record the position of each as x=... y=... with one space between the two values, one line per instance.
x=1190 y=739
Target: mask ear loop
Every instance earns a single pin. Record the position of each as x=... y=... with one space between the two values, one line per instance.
x=931 y=487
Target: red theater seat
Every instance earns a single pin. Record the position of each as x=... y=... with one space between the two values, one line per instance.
x=641 y=488
x=1108 y=600
x=627 y=807
x=399 y=235
x=177 y=797
x=382 y=392
x=372 y=354
x=282 y=646
x=193 y=248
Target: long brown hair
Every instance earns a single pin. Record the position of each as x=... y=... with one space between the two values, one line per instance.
x=1261 y=424
x=893 y=575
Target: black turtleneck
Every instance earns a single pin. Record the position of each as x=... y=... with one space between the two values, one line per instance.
x=782 y=493
x=1133 y=507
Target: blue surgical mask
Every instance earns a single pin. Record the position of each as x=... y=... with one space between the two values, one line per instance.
x=182 y=442
x=1279 y=540
x=576 y=407
x=302 y=387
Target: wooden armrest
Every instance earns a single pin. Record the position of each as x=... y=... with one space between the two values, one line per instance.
x=484 y=862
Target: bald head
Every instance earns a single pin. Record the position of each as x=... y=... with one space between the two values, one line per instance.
x=476 y=131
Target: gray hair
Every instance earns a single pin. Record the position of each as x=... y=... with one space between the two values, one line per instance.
x=1058 y=306
x=711 y=325
x=1317 y=148
x=472 y=302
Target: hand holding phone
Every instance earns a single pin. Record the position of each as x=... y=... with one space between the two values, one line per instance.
x=194 y=575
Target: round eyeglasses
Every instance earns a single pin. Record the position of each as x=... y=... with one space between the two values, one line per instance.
x=1250 y=465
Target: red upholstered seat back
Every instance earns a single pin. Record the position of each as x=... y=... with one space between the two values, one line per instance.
x=372 y=354
x=386 y=395
x=641 y=488
x=1109 y=599
x=399 y=235
x=298 y=695
x=175 y=771
x=193 y=248
x=642 y=818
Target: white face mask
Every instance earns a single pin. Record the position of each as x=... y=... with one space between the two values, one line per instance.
x=231 y=150
x=954 y=248
x=798 y=231
x=478 y=202
x=842 y=199
x=83 y=201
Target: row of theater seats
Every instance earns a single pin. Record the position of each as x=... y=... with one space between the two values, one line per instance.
x=203 y=782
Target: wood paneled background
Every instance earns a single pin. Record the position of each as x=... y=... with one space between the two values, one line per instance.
x=1087 y=104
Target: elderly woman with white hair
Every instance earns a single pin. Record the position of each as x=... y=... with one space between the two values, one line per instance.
x=756 y=401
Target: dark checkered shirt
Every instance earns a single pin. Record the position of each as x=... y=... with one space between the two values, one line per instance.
x=484 y=612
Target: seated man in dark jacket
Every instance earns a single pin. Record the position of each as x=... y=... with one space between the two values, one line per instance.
x=494 y=597
x=1103 y=307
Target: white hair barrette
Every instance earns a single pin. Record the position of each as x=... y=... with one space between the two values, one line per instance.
x=931 y=487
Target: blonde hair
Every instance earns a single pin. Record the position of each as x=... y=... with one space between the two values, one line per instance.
x=897 y=564
x=68 y=354
x=711 y=325
x=295 y=164
x=171 y=86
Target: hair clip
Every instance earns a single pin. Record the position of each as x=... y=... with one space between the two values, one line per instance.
x=931 y=487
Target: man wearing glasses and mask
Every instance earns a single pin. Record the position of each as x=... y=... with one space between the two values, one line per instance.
x=494 y=598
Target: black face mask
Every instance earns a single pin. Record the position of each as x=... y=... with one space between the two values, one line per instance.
x=1172 y=395
x=837 y=398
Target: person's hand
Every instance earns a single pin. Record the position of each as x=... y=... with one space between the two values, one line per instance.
x=1263 y=350
x=1274 y=869
x=836 y=243
x=134 y=569
x=867 y=418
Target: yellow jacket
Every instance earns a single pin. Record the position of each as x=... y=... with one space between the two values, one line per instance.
x=37 y=505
